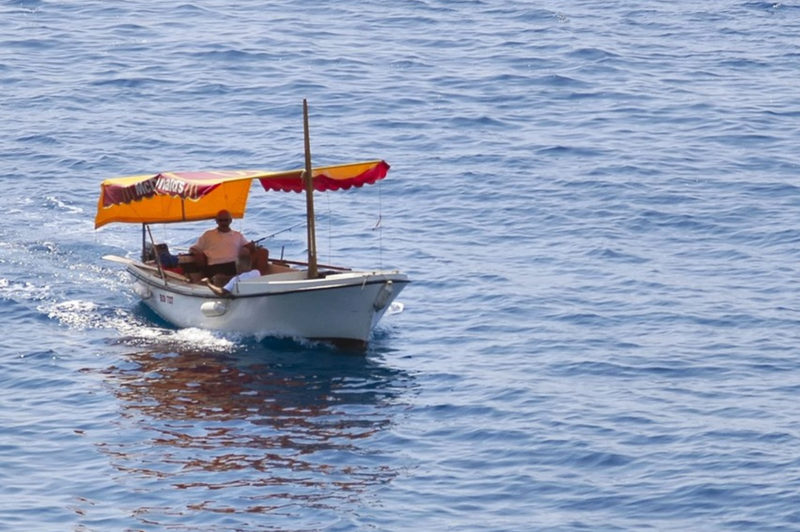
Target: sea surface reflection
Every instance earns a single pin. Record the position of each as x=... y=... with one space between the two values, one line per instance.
x=211 y=440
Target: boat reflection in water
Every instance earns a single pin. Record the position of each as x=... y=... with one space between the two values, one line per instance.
x=210 y=439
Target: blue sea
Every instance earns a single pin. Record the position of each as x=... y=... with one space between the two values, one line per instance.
x=598 y=204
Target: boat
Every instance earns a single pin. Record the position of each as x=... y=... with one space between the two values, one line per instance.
x=298 y=299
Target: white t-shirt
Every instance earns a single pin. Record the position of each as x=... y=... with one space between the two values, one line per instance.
x=221 y=247
x=252 y=274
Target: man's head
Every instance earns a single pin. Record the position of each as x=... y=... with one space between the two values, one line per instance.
x=223 y=220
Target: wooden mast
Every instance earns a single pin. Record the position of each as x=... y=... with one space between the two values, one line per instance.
x=309 y=182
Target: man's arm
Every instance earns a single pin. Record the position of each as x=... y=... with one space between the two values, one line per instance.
x=216 y=289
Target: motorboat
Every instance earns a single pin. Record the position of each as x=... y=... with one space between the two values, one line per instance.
x=299 y=299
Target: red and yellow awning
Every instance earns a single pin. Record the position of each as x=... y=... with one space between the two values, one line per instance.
x=189 y=196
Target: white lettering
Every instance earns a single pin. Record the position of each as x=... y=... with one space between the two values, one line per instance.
x=144 y=188
x=170 y=186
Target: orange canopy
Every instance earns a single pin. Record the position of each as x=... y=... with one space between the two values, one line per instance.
x=187 y=196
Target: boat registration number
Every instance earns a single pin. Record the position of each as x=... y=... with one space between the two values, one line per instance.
x=165 y=299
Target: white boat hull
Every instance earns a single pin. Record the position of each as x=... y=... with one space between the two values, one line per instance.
x=342 y=307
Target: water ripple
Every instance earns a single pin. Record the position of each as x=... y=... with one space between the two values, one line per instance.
x=597 y=206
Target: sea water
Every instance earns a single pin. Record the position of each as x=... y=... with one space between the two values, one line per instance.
x=598 y=205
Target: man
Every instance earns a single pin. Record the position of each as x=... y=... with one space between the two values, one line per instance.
x=217 y=250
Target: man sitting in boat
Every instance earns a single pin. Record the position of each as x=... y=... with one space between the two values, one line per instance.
x=217 y=250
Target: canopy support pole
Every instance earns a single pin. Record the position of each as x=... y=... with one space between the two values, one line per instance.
x=309 y=182
x=158 y=259
x=144 y=243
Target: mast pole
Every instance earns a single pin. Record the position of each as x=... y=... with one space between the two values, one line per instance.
x=309 y=182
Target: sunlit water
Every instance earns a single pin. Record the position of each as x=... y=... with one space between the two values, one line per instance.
x=597 y=204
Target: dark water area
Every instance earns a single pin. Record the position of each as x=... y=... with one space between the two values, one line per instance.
x=597 y=205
